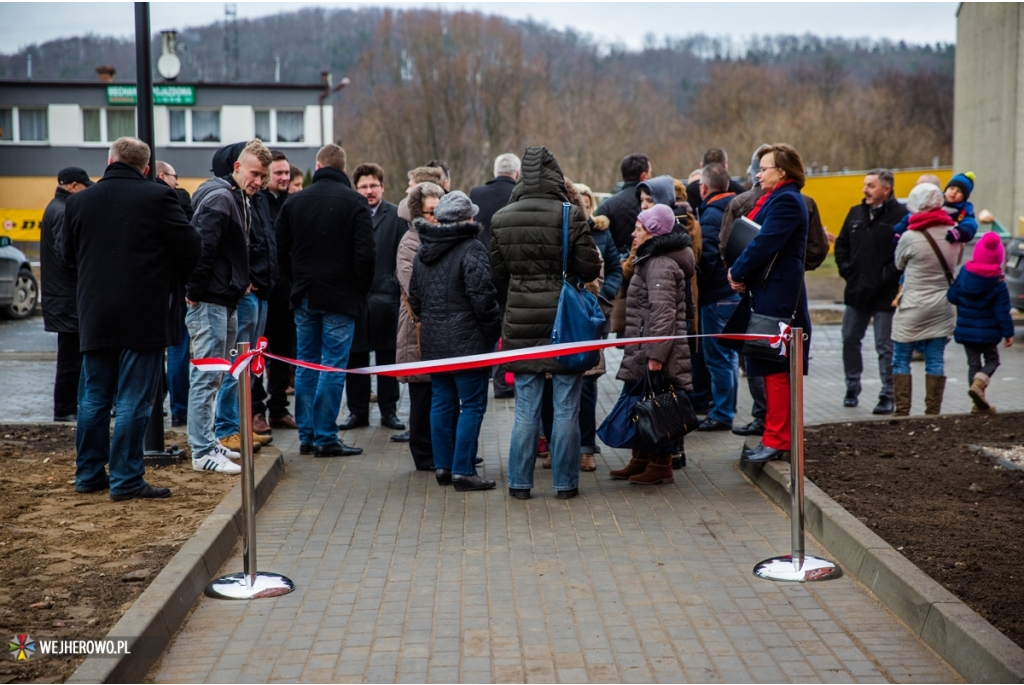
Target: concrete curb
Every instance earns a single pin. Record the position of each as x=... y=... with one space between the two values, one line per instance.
x=966 y=641
x=161 y=609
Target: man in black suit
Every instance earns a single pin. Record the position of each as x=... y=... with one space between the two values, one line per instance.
x=132 y=246
x=377 y=328
x=623 y=207
x=326 y=249
x=491 y=197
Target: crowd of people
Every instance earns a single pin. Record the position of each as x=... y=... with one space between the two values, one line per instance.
x=133 y=269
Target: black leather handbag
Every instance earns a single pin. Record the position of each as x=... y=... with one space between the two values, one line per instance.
x=762 y=324
x=662 y=416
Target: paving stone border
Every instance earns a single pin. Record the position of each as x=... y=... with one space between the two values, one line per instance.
x=965 y=640
x=157 y=614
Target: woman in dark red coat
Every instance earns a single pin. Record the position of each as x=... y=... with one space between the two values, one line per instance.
x=770 y=274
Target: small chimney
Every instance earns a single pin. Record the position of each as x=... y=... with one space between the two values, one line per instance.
x=106 y=73
x=28 y=69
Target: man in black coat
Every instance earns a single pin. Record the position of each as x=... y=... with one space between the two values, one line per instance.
x=377 y=328
x=326 y=248
x=132 y=247
x=60 y=315
x=491 y=197
x=280 y=326
x=865 y=254
x=623 y=207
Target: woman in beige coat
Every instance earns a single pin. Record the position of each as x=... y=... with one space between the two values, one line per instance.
x=421 y=202
x=924 y=317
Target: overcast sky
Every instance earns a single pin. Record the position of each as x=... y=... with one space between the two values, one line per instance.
x=26 y=23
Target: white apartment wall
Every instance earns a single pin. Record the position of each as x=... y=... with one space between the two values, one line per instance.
x=161 y=125
x=237 y=123
x=65 y=125
x=313 y=125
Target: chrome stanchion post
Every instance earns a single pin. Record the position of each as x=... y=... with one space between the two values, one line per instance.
x=796 y=567
x=250 y=584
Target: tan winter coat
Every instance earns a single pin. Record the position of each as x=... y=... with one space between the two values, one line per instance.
x=407 y=350
x=924 y=312
x=659 y=303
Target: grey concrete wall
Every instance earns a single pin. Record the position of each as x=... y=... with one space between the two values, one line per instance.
x=988 y=135
x=207 y=95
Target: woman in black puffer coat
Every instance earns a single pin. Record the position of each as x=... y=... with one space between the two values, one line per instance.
x=453 y=295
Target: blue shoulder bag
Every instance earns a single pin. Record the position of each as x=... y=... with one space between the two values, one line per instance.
x=579 y=316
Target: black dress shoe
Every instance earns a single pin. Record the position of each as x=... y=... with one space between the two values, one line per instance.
x=519 y=493
x=850 y=400
x=884 y=406
x=338 y=449
x=755 y=427
x=467 y=483
x=147 y=491
x=391 y=421
x=678 y=461
x=443 y=476
x=506 y=395
x=305 y=448
x=353 y=422
x=178 y=421
x=428 y=467
x=477 y=461
x=747 y=451
x=568 y=494
x=710 y=424
x=764 y=453
x=400 y=437
x=70 y=418
x=85 y=490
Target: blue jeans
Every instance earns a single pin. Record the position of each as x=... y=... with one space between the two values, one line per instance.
x=322 y=338
x=212 y=328
x=588 y=416
x=252 y=318
x=723 y=363
x=455 y=447
x=132 y=377
x=178 y=370
x=934 y=349
x=564 y=442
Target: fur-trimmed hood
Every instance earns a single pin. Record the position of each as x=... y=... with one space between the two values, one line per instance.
x=599 y=223
x=437 y=239
x=672 y=245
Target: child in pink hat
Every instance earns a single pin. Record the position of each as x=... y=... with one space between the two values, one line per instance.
x=983 y=315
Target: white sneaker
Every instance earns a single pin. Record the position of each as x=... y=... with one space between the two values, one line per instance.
x=215 y=461
x=225 y=452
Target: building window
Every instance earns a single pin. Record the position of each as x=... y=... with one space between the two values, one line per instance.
x=280 y=126
x=32 y=124
x=6 y=123
x=205 y=126
x=91 y=126
x=24 y=124
x=120 y=123
x=263 y=125
x=194 y=125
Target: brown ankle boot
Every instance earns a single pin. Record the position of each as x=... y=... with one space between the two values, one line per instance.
x=934 y=388
x=636 y=466
x=901 y=387
x=977 y=393
x=659 y=470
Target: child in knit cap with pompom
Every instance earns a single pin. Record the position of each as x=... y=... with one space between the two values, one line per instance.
x=957 y=205
x=983 y=315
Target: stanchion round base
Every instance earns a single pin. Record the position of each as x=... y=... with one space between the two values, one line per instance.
x=236 y=586
x=783 y=569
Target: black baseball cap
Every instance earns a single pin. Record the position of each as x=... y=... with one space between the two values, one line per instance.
x=73 y=174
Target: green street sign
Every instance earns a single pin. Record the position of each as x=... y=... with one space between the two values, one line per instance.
x=162 y=95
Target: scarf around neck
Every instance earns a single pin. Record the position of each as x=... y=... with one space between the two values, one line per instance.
x=934 y=217
x=764 y=198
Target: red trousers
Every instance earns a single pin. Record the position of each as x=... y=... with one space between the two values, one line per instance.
x=776 y=423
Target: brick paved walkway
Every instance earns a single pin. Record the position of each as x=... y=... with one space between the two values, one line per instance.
x=401 y=580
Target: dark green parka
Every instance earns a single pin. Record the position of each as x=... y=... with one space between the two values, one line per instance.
x=526 y=251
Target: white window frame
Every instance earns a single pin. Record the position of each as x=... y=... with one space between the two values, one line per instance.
x=188 y=142
x=16 y=126
x=273 y=125
x=104 y=140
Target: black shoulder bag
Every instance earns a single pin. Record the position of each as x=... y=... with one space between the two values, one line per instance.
x=761 y=324
x=662 y=416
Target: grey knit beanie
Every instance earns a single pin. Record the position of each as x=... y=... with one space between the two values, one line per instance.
x=455 y=207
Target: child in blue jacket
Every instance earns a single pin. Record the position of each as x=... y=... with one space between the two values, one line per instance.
x=983 y=315
x=957 y=193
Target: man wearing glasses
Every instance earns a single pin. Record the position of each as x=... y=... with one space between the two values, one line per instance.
x=377 y=328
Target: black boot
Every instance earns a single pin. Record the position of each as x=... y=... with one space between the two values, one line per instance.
x=467 y=483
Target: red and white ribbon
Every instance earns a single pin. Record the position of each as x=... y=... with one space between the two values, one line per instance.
x=256 y=357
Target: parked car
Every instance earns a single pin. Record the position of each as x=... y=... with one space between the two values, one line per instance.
x=19 y=292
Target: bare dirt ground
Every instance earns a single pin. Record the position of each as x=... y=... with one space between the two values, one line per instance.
x=71 y=563
x=949 y=509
